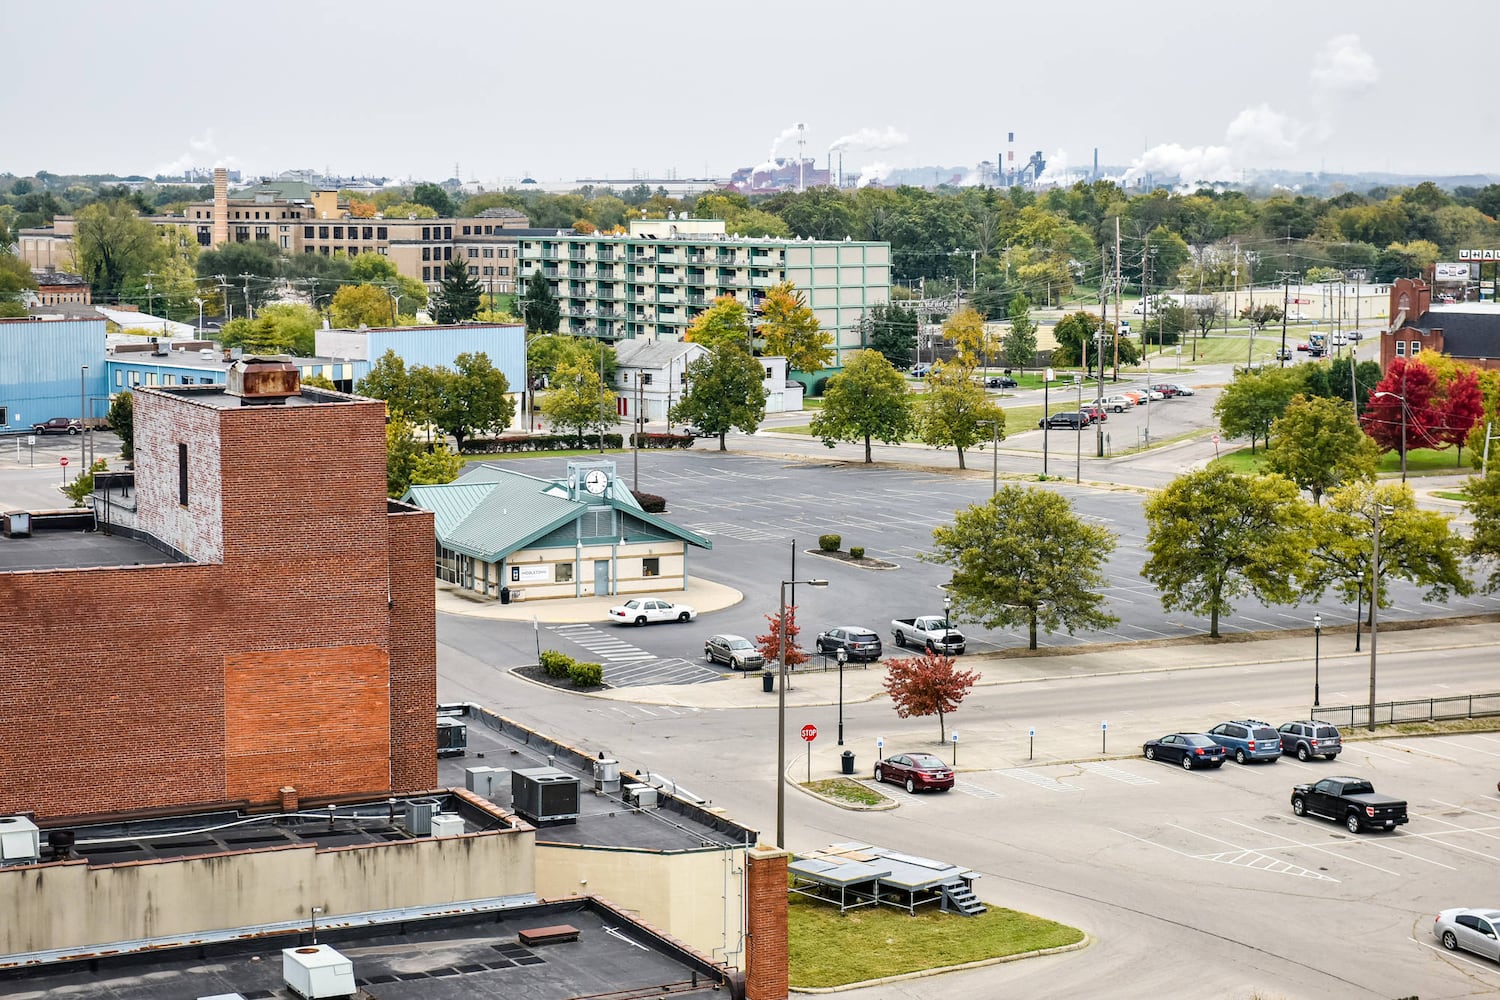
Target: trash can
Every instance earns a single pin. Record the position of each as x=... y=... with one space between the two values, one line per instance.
x=848 y=761
x=504 y=595
x=768 y=681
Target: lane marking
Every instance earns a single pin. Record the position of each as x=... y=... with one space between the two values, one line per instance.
x=1291 y=843
x=1267 y=833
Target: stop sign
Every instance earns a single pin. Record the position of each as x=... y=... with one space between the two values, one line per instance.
x=63 y=460
x=809 y=732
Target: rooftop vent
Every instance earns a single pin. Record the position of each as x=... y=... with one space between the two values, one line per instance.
x=317 y=971
x=263 y=381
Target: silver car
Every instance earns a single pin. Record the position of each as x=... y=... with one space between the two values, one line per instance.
x=1470 y=929
x=735 y=651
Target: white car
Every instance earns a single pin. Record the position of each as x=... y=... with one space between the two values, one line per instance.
x=1470 y=929
x=1119 y=404
x=644 y=610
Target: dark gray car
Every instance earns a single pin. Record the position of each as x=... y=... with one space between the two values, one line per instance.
x=1311 y=738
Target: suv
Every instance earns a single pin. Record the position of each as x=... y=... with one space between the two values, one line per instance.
x=1311 y=738
x=1075 y=420
x=1247 y=740
x=71 y=425
x=1167 y=389
x=857 y=643
x=735 y=651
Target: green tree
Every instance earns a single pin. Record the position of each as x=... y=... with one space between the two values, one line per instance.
x=1026 y=557
x=434 y=198
x=401 y=451
x=726 y=323
x=354 y=306
x=788 y=328
x=246 y=270
x=868 y=399
x=473 y=398
x=1484 y=536
x=279 y=328
x=1213 y=535
x=121 y=420
x=1260 y=316
x=458 y=295
x=951 y=412
x=1019 y=343
x=407 y=210
x=83 y=485
x=1415 y=545
x=965 y=331
x=440 y=464
x=893 y=332
x=1254 y=400
x=724 y=391
x=539 y=306
x=1075 y=333
x=1317 y=443
x=113 y=248
x=15 y=279
x=387 y=380
x=578 y=400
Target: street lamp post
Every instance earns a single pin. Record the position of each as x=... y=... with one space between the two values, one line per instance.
x=781 y=711
x=1046 y=386
x=1078 y=438
x=994 y=426
x=843 y=658
x=947 y=607
x=1379 y=509
x=200 y=317
x=83 y=421
x=1317 y=637
x=1402 y=399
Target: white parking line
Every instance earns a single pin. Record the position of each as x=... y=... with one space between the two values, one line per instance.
x=1485 y=966
x=1462 y=746
x=1040 y=780
x=1436 y=837
x=1322 y=850
x=1362 y=748
x=1114 y=773
x=1429 y=753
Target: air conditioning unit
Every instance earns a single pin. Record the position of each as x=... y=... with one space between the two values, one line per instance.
x=486 y=781
x=606 y=775
x=419 y=818
x=317 y=971
x=20 y=841
x=452 y=737
x=545 y=794
x=447 y=825
x=641 y=796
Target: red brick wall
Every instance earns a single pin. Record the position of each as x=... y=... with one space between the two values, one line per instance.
x=307 y=657
x=767 y=968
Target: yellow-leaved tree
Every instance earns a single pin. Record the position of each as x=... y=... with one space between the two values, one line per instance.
x=787 y=327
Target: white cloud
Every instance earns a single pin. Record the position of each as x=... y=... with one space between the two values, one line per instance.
x=1343 y=66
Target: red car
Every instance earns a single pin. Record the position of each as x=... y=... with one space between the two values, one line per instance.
x=916 y=771
x=1097 y=414
x=1166 y=389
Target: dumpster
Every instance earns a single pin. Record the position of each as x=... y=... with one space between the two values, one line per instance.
x=768 y=681
x=848 y=761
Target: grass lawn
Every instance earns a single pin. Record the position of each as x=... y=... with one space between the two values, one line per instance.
x=829 y=949
x=1241 y=461
x=847 y=790
x=1452 y=495
x=1424 y=460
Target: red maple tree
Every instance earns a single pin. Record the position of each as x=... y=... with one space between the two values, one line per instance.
x=927 y=685
x=770 y=643
x=1410 y=386
x=1463 y=405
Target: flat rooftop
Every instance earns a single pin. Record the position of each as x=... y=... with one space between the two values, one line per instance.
x=606 y=819
x=62 y=548
x=450 y=958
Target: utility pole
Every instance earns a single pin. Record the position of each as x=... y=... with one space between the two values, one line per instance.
x=640 y=422
x=249 y=312
x=1286 y=287
x=1099 y=343
x=223 y=283
x=1117 y=298
x=150 y=302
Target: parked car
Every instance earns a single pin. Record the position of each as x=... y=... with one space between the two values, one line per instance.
x=1283 y=354
x=734 y=651
x=1135 y=394
x=1311 y=738
x=932 y=633
x=1000 y=382
x=920 y=370
x=1470 y=929
x=1188 y=749
x=1075 y=420
x=1352 y=801
x=917 y=771
x=645 y=610
x=1247 y=740
x=1120 y=403
x=1302 y=345
x=856 y=642
x=58 y=425
x=1180 y=390
x=1167 y=389
x=1096 y=412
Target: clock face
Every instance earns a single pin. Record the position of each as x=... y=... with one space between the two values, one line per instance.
x=595 y=481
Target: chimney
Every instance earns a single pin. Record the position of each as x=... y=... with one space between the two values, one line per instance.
x=767 y=966
x=289 y=801
x=221 y=206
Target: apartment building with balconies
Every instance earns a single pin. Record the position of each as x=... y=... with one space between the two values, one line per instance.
x=653 y=281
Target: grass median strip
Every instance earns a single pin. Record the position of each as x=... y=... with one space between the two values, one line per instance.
x=846 y=790
x=830 y=949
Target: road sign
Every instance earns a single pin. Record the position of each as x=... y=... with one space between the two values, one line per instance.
x=1216 y=439
x=953 y=736
x=880 y=743
x=1031 y=731
x=809 y=732
x=63 y=460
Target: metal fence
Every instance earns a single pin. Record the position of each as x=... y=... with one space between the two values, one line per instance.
x=1458 y=706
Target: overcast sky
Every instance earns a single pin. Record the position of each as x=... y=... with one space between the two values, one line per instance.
x=588 y=89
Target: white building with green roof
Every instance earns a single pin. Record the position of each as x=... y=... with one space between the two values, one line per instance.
x=503 y=533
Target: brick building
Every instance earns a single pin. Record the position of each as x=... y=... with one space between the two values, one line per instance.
x=255 y=615
x=1466 y=331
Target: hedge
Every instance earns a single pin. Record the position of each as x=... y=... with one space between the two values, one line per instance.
x=830 y=543
x=538 y=442
x=555 y=664
x=656 y=440
x=559 y=665
x=856 y=552
x=586 y=675
x=650 y=502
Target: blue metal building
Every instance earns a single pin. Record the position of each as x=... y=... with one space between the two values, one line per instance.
x=51 y=368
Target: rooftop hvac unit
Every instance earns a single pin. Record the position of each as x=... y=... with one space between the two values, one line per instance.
x=486 y=781
x=606 y=775
x=419 y=818
x=545 y=794
x=317 y=971
x=20 y=841
x=641 y=796
x=447 y=825
x=452 y=737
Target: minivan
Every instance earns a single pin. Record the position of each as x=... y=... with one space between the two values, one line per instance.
x=1247 y=740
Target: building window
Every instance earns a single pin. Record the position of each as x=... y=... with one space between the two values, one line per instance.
x=286 y=243
x=489 y=271
x=473 y=269
x=189 y=380
x=489 y=251
x=447 y=232
x=466 y=230
x=447 y=253
x=1400 y=348
x=473 y=251
x=182 y=477
x=135 y=378
x=119 y=378
x=504 y=272
x=651 y=566
x=504 y=252
x=307 y=232
x=322 y=232
x=380 y=232
x=426 y=274
x=645 y=378
x=1416 y=348
x=338 y=232
x=562 y=573
x=426 y=232
x=368 y=233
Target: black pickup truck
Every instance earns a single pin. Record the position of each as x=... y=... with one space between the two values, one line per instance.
x=1351 y=801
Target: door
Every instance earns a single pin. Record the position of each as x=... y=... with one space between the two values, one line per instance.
x=601 y=577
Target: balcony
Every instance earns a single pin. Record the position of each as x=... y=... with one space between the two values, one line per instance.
x=641 y=256
x=764 y=280
x=605 y=294
x=726 y=257
x=607 y=311
x=606 y=253
x=577 y=291
x=548 y=253
x=575 y=253
x=697 y=256
x=697 y=299
x=674 y=278
x=576 y=271
x=668 y=255
x=697 y=279
x=550 y=271
x=604 y=273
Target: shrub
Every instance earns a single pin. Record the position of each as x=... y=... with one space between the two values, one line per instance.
x=651 y=440
x=586 y=675
x=555 y=664
x=650 y=502
x=830 y=543
x=537 y=442
x=856 y=551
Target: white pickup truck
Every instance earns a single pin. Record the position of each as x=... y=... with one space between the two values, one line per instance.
x=928 y=632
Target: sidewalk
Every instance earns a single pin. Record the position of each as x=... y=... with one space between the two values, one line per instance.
x=701 y=595
x=813 y=693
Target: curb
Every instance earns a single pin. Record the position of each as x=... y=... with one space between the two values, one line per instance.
x=924 y=973
x=886 y=806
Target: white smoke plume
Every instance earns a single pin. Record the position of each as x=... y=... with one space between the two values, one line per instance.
x=874 y=172
x=871 y=139
x=1343 y=66
x=202 y=151
x=1057 y=169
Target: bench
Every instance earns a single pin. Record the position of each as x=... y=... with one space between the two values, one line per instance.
x=555 y=934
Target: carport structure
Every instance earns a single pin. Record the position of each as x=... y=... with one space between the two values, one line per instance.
x=862 y=875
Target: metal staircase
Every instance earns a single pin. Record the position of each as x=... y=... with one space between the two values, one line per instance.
x=958 y=896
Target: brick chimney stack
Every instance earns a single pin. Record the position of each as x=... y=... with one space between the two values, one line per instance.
x=767 y=965
x=221 y=206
